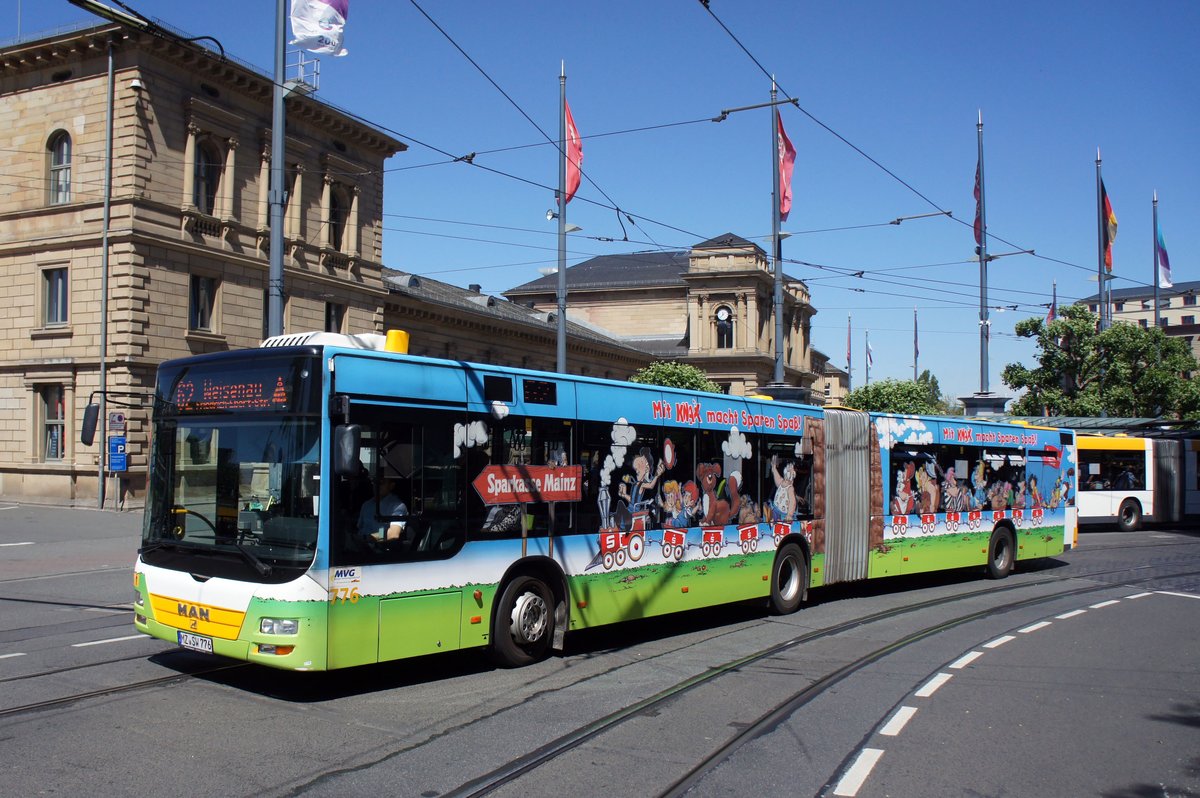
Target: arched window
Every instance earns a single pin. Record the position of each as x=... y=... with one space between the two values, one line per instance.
x=60 y=167
x=208 y=178
x=724 y=317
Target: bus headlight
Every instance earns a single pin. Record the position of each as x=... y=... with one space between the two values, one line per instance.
x=279 y=626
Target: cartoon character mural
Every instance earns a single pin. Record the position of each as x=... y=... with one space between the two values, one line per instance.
x=783 y=506
x=954 y=493
x=717 y=511
x=636 y=505
x=927 y=488
x=903 y=500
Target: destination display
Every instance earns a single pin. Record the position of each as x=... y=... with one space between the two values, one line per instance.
x=273 y=385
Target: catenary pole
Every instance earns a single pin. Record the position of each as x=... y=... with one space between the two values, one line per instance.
x=276 y=196
x=561 y=290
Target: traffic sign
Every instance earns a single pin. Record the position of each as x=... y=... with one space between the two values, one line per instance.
x=116 y=453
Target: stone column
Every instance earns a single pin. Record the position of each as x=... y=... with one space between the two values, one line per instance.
x=228 y=180
x=189 y=166
x=326 y=210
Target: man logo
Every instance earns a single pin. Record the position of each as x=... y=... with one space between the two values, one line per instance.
x=193 y=612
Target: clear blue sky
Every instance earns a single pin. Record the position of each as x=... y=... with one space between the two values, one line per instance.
x=902 y=82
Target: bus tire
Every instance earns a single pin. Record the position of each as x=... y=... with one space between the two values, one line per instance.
x=523 y=626
x=789 y=579
x=1001 y=553
x=1129 y=517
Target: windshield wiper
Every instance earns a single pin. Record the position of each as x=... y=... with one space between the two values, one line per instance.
x=155 y=545
x=260 y=566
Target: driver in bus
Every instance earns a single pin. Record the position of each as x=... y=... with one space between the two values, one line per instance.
x=388 y=504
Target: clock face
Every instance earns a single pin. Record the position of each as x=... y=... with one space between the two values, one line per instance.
x=723 y=314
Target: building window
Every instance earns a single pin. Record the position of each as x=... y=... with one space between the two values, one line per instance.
x=339 y=212
x=1119 y=307
x=202 y=303
x=53 y=419
x=724 y=318
x=60 y=168
x=335 y=317
x=207 y=178
x=1188 y=320
x=55 y=290
x=1092 y=308
x=1145 y=325
x=1188 y=299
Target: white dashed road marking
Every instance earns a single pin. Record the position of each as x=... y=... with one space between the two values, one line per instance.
x=102 y=642
x=858 y=772
x=899 y=720
x=930 y=687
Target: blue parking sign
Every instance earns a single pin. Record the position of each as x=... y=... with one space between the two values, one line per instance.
x=116 y=453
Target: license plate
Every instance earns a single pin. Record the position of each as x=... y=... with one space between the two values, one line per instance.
x=196 y=642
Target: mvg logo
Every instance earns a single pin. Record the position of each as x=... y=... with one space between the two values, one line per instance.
x=345 y=574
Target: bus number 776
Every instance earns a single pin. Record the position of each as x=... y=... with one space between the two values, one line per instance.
x=343 y=594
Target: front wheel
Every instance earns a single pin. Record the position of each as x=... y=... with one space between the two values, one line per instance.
x=1001 y=553
x=1129 y=517
x=789 y=579
x=523 y=626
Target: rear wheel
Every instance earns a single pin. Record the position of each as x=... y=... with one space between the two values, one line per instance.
x=789 y=579
x=524 y=623
x=1129 y=517
x=1001 y=553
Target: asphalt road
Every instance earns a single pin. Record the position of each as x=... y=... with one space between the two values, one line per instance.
x=1079 y=676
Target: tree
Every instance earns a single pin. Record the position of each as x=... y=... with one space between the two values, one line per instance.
x=910 y=397
x=1125 y=371
x=673 y=374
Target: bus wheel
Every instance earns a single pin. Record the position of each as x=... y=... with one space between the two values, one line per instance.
x=789 y=579
x=1129 y=517
x=524 y=623
x=1000 y=553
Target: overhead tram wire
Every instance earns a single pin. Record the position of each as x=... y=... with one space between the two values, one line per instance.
x=557 y=145
x=859 y=150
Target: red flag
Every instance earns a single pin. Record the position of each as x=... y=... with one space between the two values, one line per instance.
x=574 y=155
x=978 y=207
x=787 y=160
x=1053 y=312
x=1108 y=227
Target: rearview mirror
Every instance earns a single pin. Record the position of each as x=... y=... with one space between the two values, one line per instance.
x=346 y=440
x=91 y=415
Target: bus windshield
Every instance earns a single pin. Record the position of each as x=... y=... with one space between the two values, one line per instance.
x=234 y=490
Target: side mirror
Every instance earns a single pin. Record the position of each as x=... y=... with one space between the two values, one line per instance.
x=346 y=440
x=91 y=416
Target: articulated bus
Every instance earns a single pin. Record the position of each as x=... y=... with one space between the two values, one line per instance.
x=321 y=502
x=1130 y=480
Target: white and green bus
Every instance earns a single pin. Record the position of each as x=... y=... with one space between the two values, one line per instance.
x=322 y=502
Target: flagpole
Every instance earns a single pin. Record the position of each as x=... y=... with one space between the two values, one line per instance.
x=779 y=343
x=867 y=338
x=916 y=350
x=849 y=358
x=1154 y=241
x=1101 y=278
x=562 y=220
x=983 y=261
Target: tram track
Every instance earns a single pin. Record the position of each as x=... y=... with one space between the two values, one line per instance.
x=74 y=698
x=518 y=767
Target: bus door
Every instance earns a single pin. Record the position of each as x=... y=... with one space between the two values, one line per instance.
x=849 y=438
x=397 y=525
